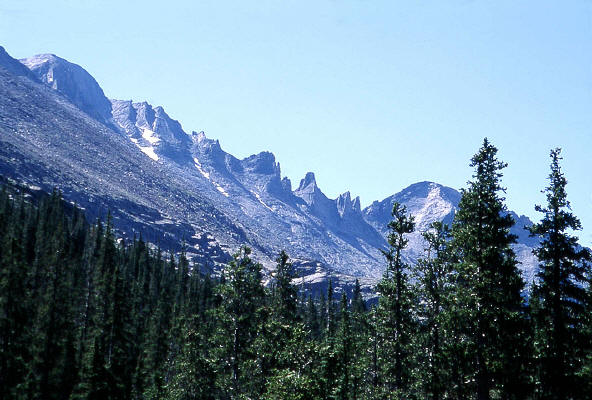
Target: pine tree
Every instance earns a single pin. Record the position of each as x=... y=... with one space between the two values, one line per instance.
x=15 y=299
x=344 y=353
x=433 y=286
x=287 y=362
x=240 y=317
x=360 y=341
x=284 y=293
x=54 y=322
x=329 y=359
x=157 y=342
x=312 y=319
x=393 y=315
x=283 y=317
x=560 y=292
x=193 y=374
x=488 y=284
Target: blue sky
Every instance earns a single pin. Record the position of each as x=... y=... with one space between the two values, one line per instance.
x=370 y=95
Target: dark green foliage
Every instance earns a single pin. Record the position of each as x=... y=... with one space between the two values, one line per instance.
x=241 y=315
x=488 y=285
x=84 y=315
x=434 y=288
x=284 y=293
x=562 y=307
x=394 y=321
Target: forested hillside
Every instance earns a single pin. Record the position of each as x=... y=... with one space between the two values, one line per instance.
x=85 y=315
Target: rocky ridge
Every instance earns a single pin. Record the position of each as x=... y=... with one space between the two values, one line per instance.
x=134 y=159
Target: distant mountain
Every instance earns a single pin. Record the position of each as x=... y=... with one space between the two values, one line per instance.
x=73 y=82
x=59 y=130
x=13 y=66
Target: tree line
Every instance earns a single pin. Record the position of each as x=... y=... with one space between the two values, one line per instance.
x=84 y=315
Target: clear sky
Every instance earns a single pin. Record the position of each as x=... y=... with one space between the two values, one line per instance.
x=370 y=95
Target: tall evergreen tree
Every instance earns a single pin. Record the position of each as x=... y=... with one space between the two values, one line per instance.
x=359 y=344
x=329 y=358
x=394 y=316
x=158 y=341
x=560 y=292
x=240 y=317
x=433 y=286
x=488 y=284
x=284 y=293
x=15 y=305
x=344 y=353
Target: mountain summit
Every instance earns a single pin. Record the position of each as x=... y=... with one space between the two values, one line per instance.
x=74 y=82
x=59 y=130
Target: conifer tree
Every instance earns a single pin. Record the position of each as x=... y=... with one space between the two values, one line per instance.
x=240 y=316
x=329 y=358
x=560 y=293
x=344 y=353
x=312 y=319
x=284 y=293
x=283 y=317
x=394 y=322
x=488 y=284
x=433 y=285
x=15 y=326
x=157 y=343
x=193 y=375
x=360 y=341
x=288 y=354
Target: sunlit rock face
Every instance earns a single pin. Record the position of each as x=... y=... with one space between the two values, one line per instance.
x=59 y=130
x=74 y=83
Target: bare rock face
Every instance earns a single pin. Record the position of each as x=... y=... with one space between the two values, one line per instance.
x=74 y=83
x=14 y=67
x=151 y=129
x=59 y=130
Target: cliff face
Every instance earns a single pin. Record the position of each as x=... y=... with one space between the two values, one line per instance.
x=59 y=130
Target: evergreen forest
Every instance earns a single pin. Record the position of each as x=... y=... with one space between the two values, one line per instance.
x=87 y=315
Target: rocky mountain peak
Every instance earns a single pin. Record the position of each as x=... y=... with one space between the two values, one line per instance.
x=287 y=184
x=14 y=66
x=346 y=206
x=152 y=130
x=202 y=140
x=262 y=163
x=194 y=190
x=74 y=82
x=309 y=183
x=145 y=115
x=426 y=201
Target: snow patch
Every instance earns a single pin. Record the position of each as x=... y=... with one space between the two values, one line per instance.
x=149 y=151
x=221 y=189
x=150 y=136
x=207 y=176
x=261 y=201
x=200 y=169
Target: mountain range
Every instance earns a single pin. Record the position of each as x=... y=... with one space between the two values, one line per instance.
x=59 y=130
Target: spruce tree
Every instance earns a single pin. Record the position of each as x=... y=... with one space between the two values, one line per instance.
x=488 y=284
x=344 y=353
x=241 y=316
x=359 y=343
x=284 y=293
x=394 y=322
x=560 y=293
x=15 y=306
x=157 y=342
x=433 y=286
